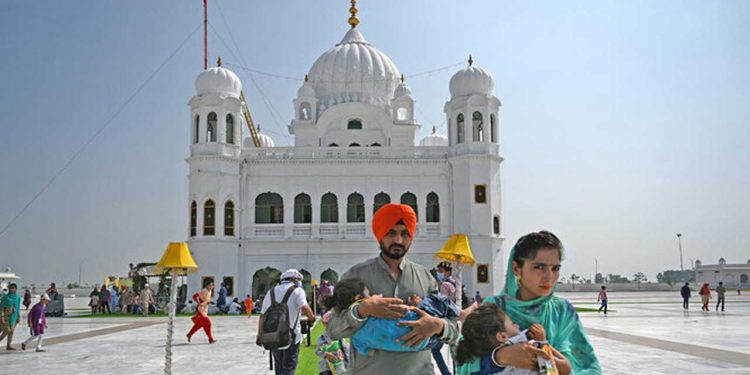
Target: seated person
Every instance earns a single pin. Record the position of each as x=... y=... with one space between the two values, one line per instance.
x=380 y=333
x=189 y=307
x=488 y=329
x=234 y=307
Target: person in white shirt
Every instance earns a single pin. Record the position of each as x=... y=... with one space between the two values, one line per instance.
x=235 y=308
x=285 y=358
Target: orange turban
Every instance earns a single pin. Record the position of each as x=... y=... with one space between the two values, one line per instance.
x=390 y=214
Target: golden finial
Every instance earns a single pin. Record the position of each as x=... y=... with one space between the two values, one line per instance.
x=258 y=128
x=402 y=78
x=218 y=61
x=353 y=20
x=305 y=77
x=471 y=61
x=433 y=129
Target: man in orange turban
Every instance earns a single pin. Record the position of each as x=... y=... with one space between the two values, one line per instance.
x=391 y=280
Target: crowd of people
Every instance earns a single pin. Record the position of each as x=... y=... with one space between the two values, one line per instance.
x=705 y=293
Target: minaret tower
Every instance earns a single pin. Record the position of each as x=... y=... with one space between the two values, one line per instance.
x=214 y=179
x=472 y=117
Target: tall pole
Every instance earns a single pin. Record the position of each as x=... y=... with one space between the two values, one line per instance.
x=80 y=266
x=170 y=324
x=679 y=242
x=205 y=34
x=596 y=269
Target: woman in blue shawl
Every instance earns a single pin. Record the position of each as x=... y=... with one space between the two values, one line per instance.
x=528 y=297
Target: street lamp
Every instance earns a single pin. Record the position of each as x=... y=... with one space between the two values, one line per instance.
x=178 y=261
x=679 y=242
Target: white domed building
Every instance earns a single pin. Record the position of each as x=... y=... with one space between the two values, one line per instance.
x=256 y=211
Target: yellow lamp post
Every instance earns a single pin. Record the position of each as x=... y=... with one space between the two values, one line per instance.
x=457 y=251
x=178 y=260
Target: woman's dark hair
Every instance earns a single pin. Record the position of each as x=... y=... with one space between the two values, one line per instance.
x=528 y=245
x=479 y=331
x=344 y=294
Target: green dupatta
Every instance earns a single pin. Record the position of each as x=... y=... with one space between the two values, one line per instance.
x=558 y=317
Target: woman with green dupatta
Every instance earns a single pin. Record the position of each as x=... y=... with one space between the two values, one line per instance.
x=527 y=298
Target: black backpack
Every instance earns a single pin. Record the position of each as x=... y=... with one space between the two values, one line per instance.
x=276 y=332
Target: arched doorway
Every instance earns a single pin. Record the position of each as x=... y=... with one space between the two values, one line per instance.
x=306 y=281
x=263 y=280
x=743 y=278
x=329 y=275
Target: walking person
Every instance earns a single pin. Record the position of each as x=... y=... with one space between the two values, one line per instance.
x=249 y=305
x=201 y=319
x=603 y=299
x=37 y=321
x=720 y=292
x=290 y=293
x=705 y=294
x=104 y=300
x=146 y=299
x=27 y=298
x=114 y=298
x=221 y=301
x=478 y=298
x=685 y=293
x=10 y=312
x=93 y=300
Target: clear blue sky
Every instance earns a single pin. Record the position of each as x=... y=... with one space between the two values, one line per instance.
x=622 y=123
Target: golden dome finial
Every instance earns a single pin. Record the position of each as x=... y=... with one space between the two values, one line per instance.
x=353 y=20
x=218 y=61
x=471 y=60
x=402 y=78
x=306 y=78
x=433 y=129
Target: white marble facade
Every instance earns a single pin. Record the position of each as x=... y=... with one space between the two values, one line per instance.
x=732 y=275
x=255 y=211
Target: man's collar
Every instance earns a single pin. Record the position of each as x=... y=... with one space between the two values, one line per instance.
x=384 y=264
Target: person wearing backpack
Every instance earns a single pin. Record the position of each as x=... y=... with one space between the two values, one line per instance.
x=278 y=327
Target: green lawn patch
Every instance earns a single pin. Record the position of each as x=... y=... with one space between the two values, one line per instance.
x=589 y=309
x=308 y=360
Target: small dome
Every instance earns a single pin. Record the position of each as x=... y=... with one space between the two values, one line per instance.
x=698 y=263
x=471 y=80
x=402 y=90
x=218 y=80
x=722 y=261
x=306 y=91
x=434 y=140
x=265 y=141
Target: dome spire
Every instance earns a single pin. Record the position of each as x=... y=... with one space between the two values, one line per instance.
x=353 y=20
x=402 y=78
x=218 y=61
x=471 y=60
x=433 y=129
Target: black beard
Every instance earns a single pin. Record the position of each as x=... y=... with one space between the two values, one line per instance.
x=391 y=254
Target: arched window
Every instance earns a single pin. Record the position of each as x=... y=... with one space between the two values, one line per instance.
x=492 y=128
x=302 y=209
x=333 y=145
x=496 y=224
x=229 y=219
x=211 y=127
x=376 y=144
x=411 y=200
x=460 y=128
x=305 y=113
x=401 y=114
x=477 y=127
x=354 y=124
x=196 y=135
x=381 y=199
x=209 y=218
x=354 y=144
x=193 y=219
x=230 y=129
x=433 y=208
x=329 y=208
x=269 y=209
x=355 y=208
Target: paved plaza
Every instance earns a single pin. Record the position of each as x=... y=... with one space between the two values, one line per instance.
x=644 y=333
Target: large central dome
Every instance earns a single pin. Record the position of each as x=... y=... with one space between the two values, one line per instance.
x=354 y=71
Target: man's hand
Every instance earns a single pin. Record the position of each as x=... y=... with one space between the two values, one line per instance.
x=382 y=307
x=332 y=357
x=423 y=328
x=536 y=332
x=257 y=340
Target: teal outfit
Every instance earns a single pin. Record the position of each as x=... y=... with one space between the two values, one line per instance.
x=559 y=319
x=11 y=309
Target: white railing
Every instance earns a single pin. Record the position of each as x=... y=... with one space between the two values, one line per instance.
x=269 y=230
x=307 y=153
x=432 y=229
x=354 y=230
x=329 y=230
x=302 y=230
